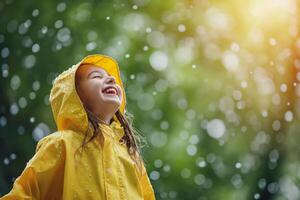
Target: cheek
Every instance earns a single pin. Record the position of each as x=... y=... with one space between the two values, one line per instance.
x=121 y=93
x=90 y=90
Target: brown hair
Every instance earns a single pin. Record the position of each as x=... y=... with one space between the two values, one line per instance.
x=131 y=138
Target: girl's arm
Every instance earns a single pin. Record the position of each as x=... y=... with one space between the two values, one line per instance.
x=148 y=192
x=43 y=174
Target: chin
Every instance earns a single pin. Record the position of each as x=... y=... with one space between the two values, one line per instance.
x=114 y=102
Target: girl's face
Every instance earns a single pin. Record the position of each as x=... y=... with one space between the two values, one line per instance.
x=98 y=90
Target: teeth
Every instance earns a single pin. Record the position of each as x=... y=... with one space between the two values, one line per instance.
x=108 y=90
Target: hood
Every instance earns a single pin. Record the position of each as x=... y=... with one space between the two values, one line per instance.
x=66 y=105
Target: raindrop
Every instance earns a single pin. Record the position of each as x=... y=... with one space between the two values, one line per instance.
x=134 y=7
x=201 y=162
x=211 y=158
x=5 y=71
x=167 y=168
x=6 y=161
x=27 y=41
x=15 y=82
x=230 y=60
x=164 y=125
x=237 y=95
x=182 y=103
x=216 y=128
x=3 y=121
x=155 y=39
x=158 y=163
x=44 y=29
x=134 y=22
x=35 y=48
x=35 y=12
x=132 y=76
x=154 y=175
x=235 y=47
x=29 y=61
x=158 y=60
x=161 y=85
x=262 y=183
x=199 y=179
x=21 y=130
x=36 y=85
x=273 y=187
x=23 y=28
x=237 y=181
x=32 y=119
x=256 y=196
x=146 y=48
x=127 y=55
x=5 y=52
x=148 y=30
x=276 y=125
x=63 y=35
x=181 y=28
x=272 y=41
x=274 y=155
x=244 y=84
x=238 y=165
x=32 y=95
x=264 y=113
x=283 y=87
x=40 y=131
x=61 y=7
x=13 y=156
x=91 y=46
x=158 y=139
x=108 y=18
x=58 y=24
x=14 y=109
x=22 y=102
x=288 y=116
x=194 y=139
x=191 y=149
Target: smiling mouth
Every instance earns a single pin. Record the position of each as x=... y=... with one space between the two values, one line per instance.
x=110 y=91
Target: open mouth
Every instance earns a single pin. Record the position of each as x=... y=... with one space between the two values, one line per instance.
x=110 y=90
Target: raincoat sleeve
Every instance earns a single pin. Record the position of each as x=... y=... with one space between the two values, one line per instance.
x=148 y=192
x=42 y=174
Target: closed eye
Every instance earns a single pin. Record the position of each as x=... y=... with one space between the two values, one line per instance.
x=98 y=77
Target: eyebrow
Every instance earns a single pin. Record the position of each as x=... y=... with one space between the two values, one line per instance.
x=94 y=72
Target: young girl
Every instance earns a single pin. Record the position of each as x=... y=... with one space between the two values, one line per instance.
x=94 y=154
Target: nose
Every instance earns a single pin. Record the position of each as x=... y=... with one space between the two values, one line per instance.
x=111 y=79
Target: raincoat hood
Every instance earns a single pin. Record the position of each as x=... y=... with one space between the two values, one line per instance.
x=66 y=105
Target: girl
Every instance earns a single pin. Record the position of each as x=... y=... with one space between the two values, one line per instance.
x=94 y=154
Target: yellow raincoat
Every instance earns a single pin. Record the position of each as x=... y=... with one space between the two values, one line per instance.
x=98 y=173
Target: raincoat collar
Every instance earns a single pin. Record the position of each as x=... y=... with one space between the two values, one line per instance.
x=67 y=108
x=114 y=130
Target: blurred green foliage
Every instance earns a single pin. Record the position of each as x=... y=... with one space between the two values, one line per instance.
x=213 y=85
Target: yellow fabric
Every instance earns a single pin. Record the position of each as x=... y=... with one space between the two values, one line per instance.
x=99 y=173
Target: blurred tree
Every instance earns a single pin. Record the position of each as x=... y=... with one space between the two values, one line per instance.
x=214 y=85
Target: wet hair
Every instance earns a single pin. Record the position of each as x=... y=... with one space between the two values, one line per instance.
x=133 y=140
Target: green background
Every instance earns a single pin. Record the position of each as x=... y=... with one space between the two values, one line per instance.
x=213 y=85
